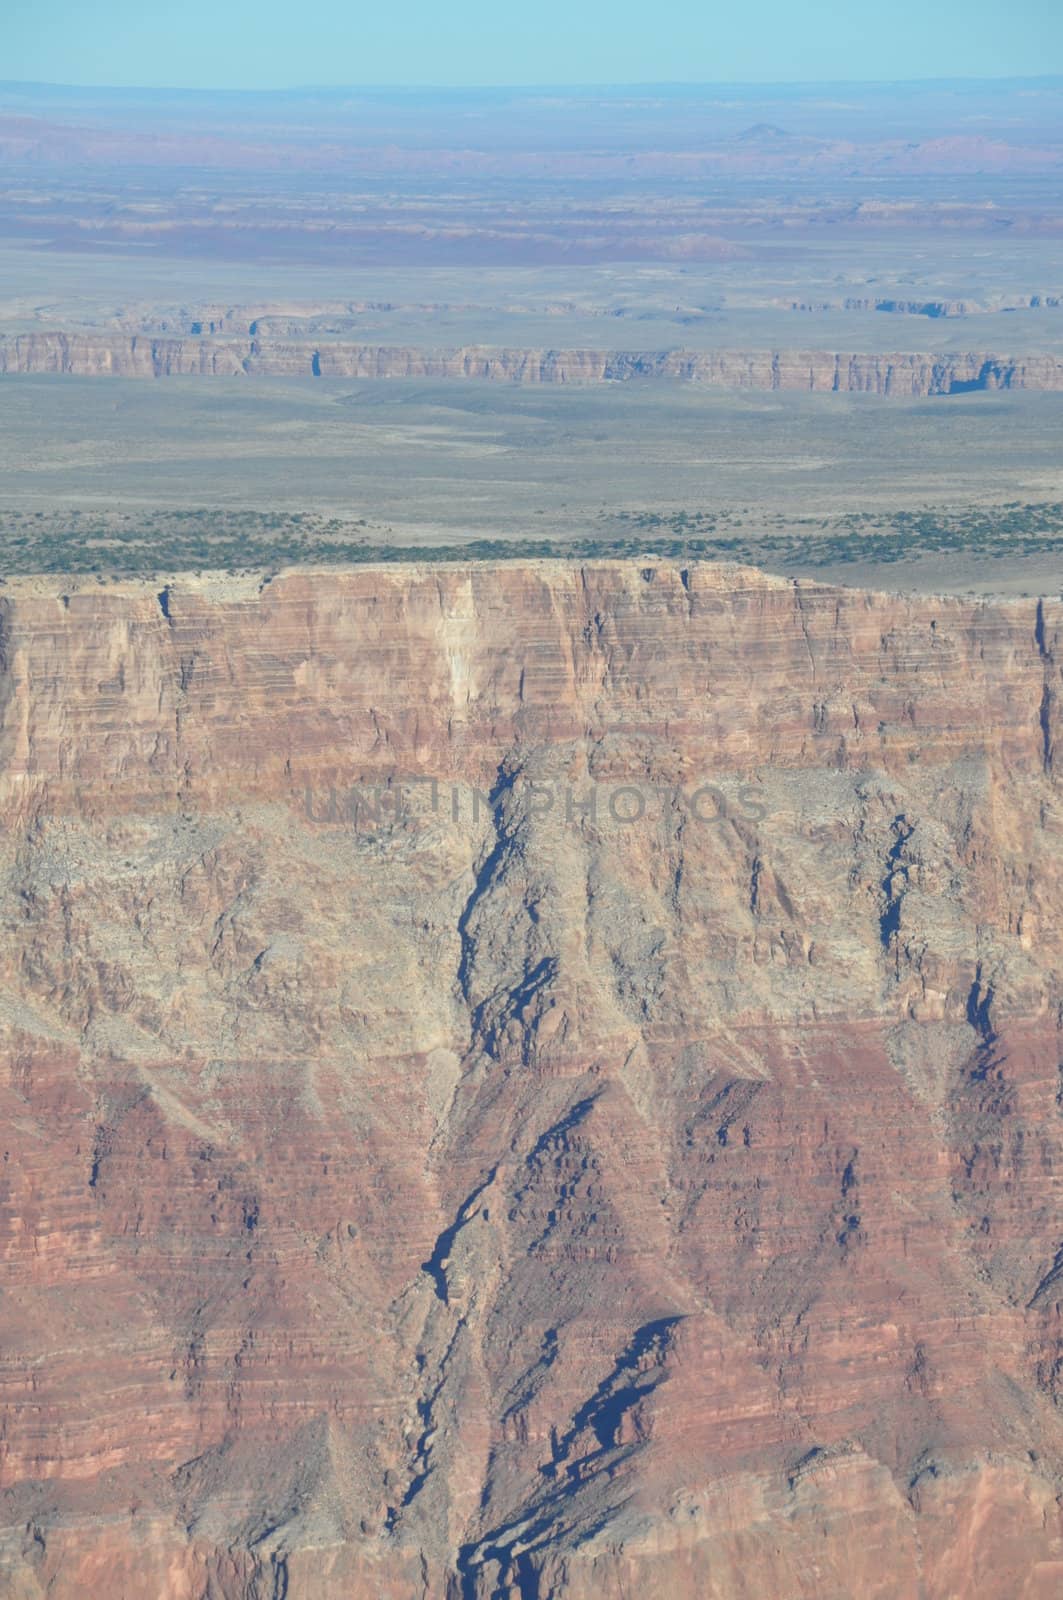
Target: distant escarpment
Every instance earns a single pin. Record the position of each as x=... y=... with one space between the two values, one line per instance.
x=949 y=307
x=820 y=371
x=536 y=1080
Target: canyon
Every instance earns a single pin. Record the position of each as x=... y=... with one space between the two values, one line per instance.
x=908 y=374
x=535 y=1079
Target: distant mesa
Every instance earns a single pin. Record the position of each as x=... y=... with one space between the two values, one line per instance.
x=762 y=132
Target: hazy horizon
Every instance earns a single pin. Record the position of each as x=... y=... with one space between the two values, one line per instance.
x=679 y=85
x=267 y=45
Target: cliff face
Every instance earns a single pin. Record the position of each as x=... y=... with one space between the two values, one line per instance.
x=147 y=356
x=531 y=1080
x=949 y=307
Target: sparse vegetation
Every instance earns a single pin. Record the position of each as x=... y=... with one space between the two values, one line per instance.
x=127 y=543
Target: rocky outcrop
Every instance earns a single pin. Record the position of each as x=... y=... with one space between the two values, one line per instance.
x=950 y=307
x=905 y=374
x=529 y=1080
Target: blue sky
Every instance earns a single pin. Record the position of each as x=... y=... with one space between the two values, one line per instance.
x=285 y=43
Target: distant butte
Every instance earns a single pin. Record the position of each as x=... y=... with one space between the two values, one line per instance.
x=763 y=131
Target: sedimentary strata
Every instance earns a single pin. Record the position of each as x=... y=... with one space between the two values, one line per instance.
x=529 y=1080
x=900 y=373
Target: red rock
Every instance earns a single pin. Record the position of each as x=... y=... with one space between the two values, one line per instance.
x=519 y=1200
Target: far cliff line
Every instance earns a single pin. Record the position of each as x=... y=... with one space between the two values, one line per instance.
x=910 y=374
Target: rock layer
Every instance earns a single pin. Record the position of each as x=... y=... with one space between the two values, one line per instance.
x=900 y=373
x=533 y=1080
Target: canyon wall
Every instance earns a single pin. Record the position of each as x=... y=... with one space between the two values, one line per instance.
x=148 y=356
x=535 y=1080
